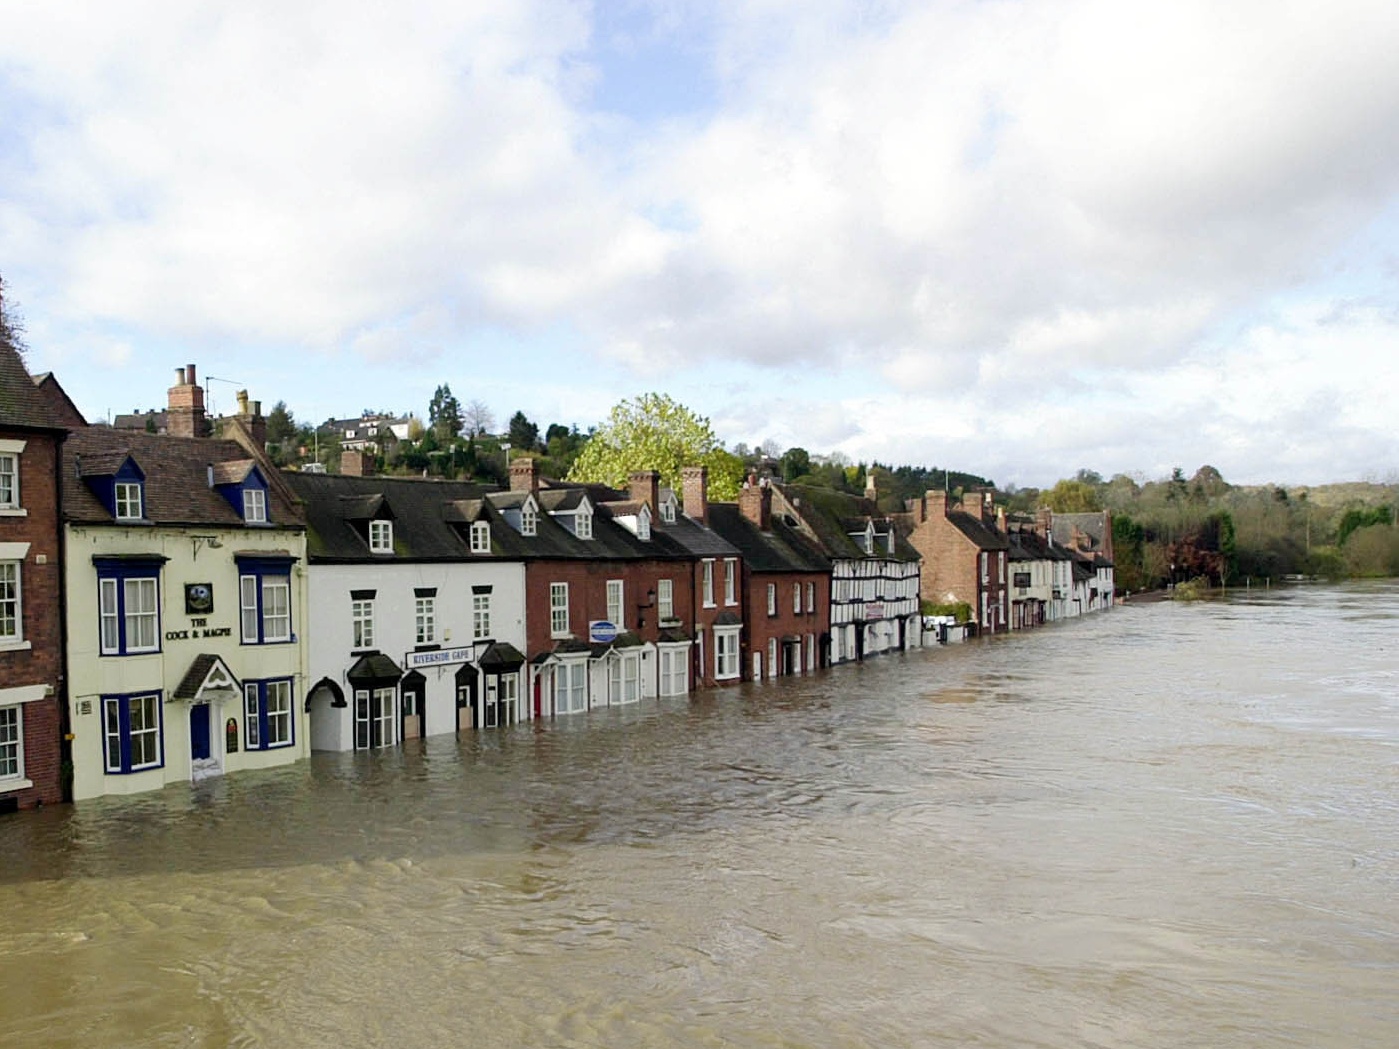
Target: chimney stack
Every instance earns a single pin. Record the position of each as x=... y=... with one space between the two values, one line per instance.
x=755 y=503
x=644 y=486
x=871 y=487
x=917 y=509
x=524 y=474
x=936 y=502
x=694 y=492
x=356 y=462
x=185 y=405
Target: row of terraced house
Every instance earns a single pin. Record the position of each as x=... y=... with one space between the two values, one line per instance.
x=174 y=607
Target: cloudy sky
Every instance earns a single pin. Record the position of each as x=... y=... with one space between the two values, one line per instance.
x=1015 y=238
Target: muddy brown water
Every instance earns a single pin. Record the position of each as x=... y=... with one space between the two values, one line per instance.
x=1167 y=825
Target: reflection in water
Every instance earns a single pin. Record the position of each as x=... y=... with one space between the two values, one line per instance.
x=1168 y=825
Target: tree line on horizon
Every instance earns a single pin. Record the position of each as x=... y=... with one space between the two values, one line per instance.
x=1164 y=531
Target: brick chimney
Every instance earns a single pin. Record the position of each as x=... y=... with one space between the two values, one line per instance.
x=917 y=509
x=755 y=503
x=524 y=474
x=1001 y=519
x=645 y=486
x=871 y=487
x=250 y=415
x=694 y=491
x=1044 y=522
x=356 y=462
x=185 y=405
x=936 y=504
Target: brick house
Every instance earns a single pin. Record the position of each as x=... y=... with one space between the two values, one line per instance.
x=965 y=555
x=786 y=587
x=599 y=580
x=32 y=684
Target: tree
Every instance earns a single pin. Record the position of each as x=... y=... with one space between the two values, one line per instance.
x=654 y=432
x=524 y=435
x=1072 y=497
x=796 y=462
x=479 y=419
x=281 y=433
x=444 y=413
x=11 y=324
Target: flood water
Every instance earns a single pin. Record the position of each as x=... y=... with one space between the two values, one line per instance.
x=1166 y=825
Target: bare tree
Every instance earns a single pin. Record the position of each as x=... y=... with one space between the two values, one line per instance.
x=478 y=418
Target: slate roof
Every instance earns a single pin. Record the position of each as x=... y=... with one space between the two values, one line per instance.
x=828 y=512
x=176 y=469
x=1028 y=546
x=783 y=549
x=983 y=535
x=431 y=516
x=1092 y=525
x=22 y=406
x=691 y=535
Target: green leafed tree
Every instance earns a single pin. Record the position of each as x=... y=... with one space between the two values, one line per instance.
x=444 y=413
x=655 y=432
x=1072 y=497
x=523 y=434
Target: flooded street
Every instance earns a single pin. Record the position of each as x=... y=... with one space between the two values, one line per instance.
x=1167 y=825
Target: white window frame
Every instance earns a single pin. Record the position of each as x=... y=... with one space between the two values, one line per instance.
x=127 y=498
x=773 y=664
x=11 y=604
x=252 y=720
x=254 y=506
x=643 y=526
x=480 y=537
x=11 y=744
x=811 y=597
x=480 y=616
x=362 y=622
x=113 y=737
x=380 y=536
x=730 y=580
x=141 y=616
x=529 y=519
x=9 y=480
x=726 y=655
x=571 y=687
x=796 y=598
x=616 y=607
x=665 y=599
x=674 y=671
x=707 y=590
x=425 y=620
x=668 y=511
x=772 y=599
x=558 y=610
x=583 y=524
x=279 y=712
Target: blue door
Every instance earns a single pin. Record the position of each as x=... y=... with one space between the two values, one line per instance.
x=199 y=731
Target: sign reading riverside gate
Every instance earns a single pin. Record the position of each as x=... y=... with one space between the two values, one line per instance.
x=436 y=658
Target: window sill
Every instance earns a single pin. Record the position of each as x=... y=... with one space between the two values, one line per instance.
x=7 y=785
x=710 y=604
x=15 y=646
x=13 y=511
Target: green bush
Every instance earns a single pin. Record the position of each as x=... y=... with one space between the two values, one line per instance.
x=958 y=609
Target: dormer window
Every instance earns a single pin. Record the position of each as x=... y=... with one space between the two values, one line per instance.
x=529 y=519
x=480 y=537
x=127 y=496
x=254 y=506
x=643 y=525
x=381 y=537
x=668 y=512
x=583 y=524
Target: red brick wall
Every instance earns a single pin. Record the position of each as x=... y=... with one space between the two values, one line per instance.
x=41 y=601
x=952 y=569
x=587 y=595
x=760 y=627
